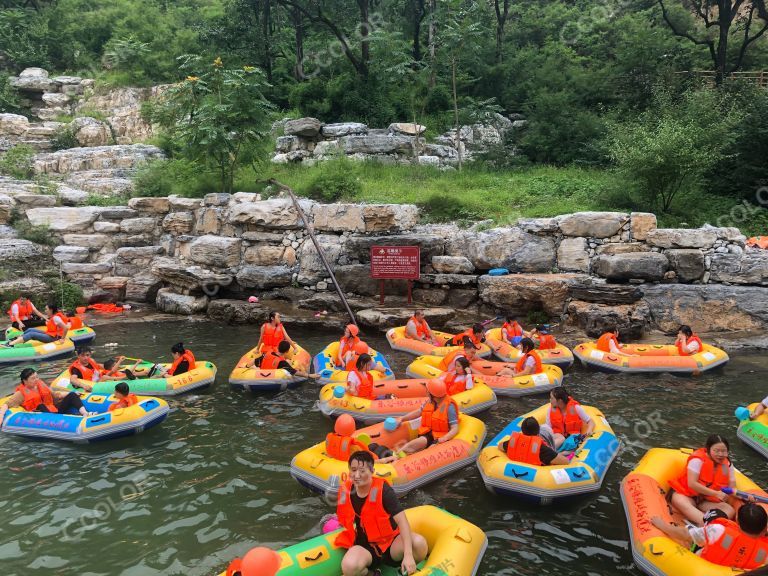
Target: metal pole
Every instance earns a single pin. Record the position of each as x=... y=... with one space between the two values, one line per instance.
x=320 y=252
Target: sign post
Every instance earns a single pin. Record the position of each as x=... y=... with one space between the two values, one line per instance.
x=395 y=263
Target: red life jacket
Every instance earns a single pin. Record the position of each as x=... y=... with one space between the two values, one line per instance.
x=604 y=342
x=87 y=371
x=54 y=329
x=271 y=337
x=525 y=449
x=520 y=366
x=682 y=348
x=188 y=356
x=25 y=310
x=547 y=342
x=33 y=398
x=712 y=476
x=568 y=424
x=129 y=400
x=450 y=358
x=455 y=383
x=374 y=519
x=735 y=548
x=513 y=330
x=340 y=447
x=270 y=360
x=422 y=331
x=346 y=345
x=435 y=418
x=365 y=388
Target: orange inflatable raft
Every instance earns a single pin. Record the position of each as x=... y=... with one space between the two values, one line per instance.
x=559 y=356
x=651 y=358
x=397 y=339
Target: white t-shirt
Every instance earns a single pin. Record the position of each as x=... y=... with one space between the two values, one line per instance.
x=530 y=362
x=469 y=383
x=580 y=411
x=353 y=383
x=614 y=348
x=410 y=330
x=695 y=466
x=765 y=402
x=709 y=533
x=692 y=347
x=15 y=311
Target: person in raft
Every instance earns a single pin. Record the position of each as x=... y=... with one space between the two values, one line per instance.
x=85 y=370
x=23 y=314
x=375 y=529
x=183 y=362
x=528 y=447
x=34 y=395
x=56 y=328
x=272 y=333
x=687 y=342
x=340 y=444
x=528 y=363
x=124 y=397
x=609 y=342
x=469 y=351
x=347 y=344
x=459 y=378
x=511 y=331
x=697 y=489
x=476 y=334
x=360 y=349
x=277 y=361
x=544 y=338
x=742 y=544
x=360 y=380
x=566 y=417
x=417 y=329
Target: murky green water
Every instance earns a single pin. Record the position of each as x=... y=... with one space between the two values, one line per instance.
x=213 y=480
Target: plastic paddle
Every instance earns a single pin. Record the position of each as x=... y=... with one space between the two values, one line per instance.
x=744 y=495
x=486 y=322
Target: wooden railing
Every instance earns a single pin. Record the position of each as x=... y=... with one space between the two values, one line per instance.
x=760 y=77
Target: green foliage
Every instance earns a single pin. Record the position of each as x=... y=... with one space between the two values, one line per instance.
x=9 y=98
x=441 y=208
x=99 y=200
x=334 y=181
x=64 y=138
x=23 y=38
x=37 y=234
x=17 y=162
x=66 y=294
x=178 y=176
x=536 y=317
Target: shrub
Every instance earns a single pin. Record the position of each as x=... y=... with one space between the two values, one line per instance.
x=17 y=162
x=64 y=138
x=446 y=208
x=334 y=182
x=36 y=234
x=176 y=176
x=66 y=294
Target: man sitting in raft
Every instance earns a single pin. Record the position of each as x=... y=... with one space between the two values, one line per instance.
x=347 y=344
x=23 y=314
x=511 y=331
x=528 y=447
x=566 y=417
x=723 y=541
x=459 y=379
x=124 y=397
x=35 y=396
x=376 y=530
x=687 y=342
x=277 y=361
x=85 y=369
x=183 y=361
x=698 y=489
x=417 y=328
x=609 y=342
x=528 y=363
x=476 y=334
x=56 y=328
x=272 y=333
x=449 y=360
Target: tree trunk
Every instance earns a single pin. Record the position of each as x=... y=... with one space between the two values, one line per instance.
x=725 y=19
x=501 y=21
x=418 y=16
x=298 y=28
x=266 y=33
x=365 y=48
x=456 y=108
x=432 y=40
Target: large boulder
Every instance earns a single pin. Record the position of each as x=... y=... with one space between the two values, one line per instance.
x=178 y=222
x=124 y=157
x=343 y=129
x=264 y=277
x=93 y=242
x=32 y=80
x=91 y=132
x=311 y=268
x=688 y=264
x=573 y=255
x=306 y=127
x=750 y=267
x=70 y=254
x=538 y=225
x=520 y=293
x=276 y=213
x=13 y=124
x=216 y=251
x=406 y=128
x=63 y=219
x=681 y=238
x=390 y=317
x=377 y=144
x=640 y=223
x=649 y=266
x=150 y=204
x=188 y=278
x=18 y=249
x=596 y=290
x=509 y=248
x=338 y=217
x=593 y=224
x=237 y=312
x=356 y=279
x=595 y=319
x=144 y=225
x=169 y=301
x=270 y=255
x=452 y=265
x=390 y=217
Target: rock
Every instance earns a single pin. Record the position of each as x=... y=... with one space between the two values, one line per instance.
x=311 y=268
x=595 y=319
x=62 y=219
x=87 y=268
x=573 y=255
x=178 y=222
x=114 y=285
x=91 y=132
x=138 y=225
x=117 y=213
x=452 y=265
x=750 y=267
x=640 y=223
x=106 y=227
x=96 y=158
x=144 y=253
x=277 y=213
x=356 y=279
x=538 y=225
x=216 y=251
x=237 y=312
x=264 y=277
x=327 y=148
x=441 y=151
x=287 y=143
x=32 y=80
x=521 y=293
x=429 y=161
x=509 y=248
x=122 y=107
x=150 y=204
x=307 y=127
x=592 y=224
x=217 y=199
x=18 y=249
x=681 y=238
x=390 y=217
x=93 y=242
x=181 y=204
x=377 y=144
x=270 y=255
x=8 y=232
x=390 y=317
x=338 y=218
x=649 y=266
x=70 y=254
x=688 y=264
x=188 y=277
x=168 y=301
x=406 y=128
x=13 y=124
x=56 y=99
x=446 y=280
x=342 y=129
x=623 y=248
x=209 y=220
x=35 y=200
x=6 y=209
x=594 y=290
x=37 y=290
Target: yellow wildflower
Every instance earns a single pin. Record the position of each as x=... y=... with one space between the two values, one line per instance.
x=249 y=68
x=192 y=78
x=218 y=63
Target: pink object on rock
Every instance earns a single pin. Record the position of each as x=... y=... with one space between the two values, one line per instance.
x=253 y=299
x=331 y=524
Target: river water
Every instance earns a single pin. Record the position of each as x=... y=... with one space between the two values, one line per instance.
x=213 y=480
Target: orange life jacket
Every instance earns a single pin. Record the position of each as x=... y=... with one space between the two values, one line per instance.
x=525 y=449
x=87 y=371
x=758 y=242
x=735 y=548
x=513 y=330
x=346 y=345
x=450 y=358
x=271 y=337
x=235 y=567
x=270 y=360
x=455 y=383
x=365 y=388
x=129 y=400
x=568 y=424
x=54 y=329
x=604 y=342
x=547 y=342
x=188 y=356
x=351 y=364
x=520 y=366
x=435 y=418
x=340 y=447
x=374 y=519
x=458 y=340
x=422 y=331
x=33 y=398
x=75 y=322
x=712 y=476
x=682 y=348
x=25 y=310
x=105 y=308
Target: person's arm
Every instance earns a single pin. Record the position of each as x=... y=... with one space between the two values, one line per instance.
x=288 y=338
x=76 y=378
x=66 y=325
x=37 y=312
x=692 y=347
x=412 y=415
x=549 y=457
x=699 y=488
x=585 y=418
x=409 y=564
x=15 y=400
x=261 y=338
x=470 y=380
x=759 y=410
x=677 y=532
x=410 y=331
x=528 y=368
x=15 y=316
x=352 y=384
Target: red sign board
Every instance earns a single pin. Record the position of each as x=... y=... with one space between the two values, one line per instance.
x=398 y=262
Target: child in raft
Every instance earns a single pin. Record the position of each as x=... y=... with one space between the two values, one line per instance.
x=469 y=351
x=687 y=342
x=528 y=363
x=276 y=360
x=609 y=342
x=511 y=331
x=459 y=378
x=124 y=397
x=347 y=343
x=530 y=447
x=566 y=417
x=544 y=338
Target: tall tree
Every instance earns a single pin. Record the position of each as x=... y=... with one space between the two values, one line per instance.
x=502 y=13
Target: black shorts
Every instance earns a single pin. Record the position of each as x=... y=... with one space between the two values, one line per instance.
x=378 y=560
x=430 y=438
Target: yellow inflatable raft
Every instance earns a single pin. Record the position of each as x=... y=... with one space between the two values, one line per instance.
x=34 y=351
x=324 y=364
x=644 y=494
x=258 y=380
x=320 y=472
x=548 y=484
x=398 y=341
x=409 y=395
x=559 y=356
x=485 y=372
x=456 y=548
x=651 y=358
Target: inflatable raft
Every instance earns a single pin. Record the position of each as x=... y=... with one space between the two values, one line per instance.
x=754 y=433
x=105 y=425
x=485 y=372
x=548 y=484
x=324 y=365
x=456 y=548
x=398 y=341
x=316 y=470
x=258 y=380
x=651 y=358
x=79 y=334
x=643 y=493
x=34 y=351
x=560 y=356
x=409 y=395
x=202 y=375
